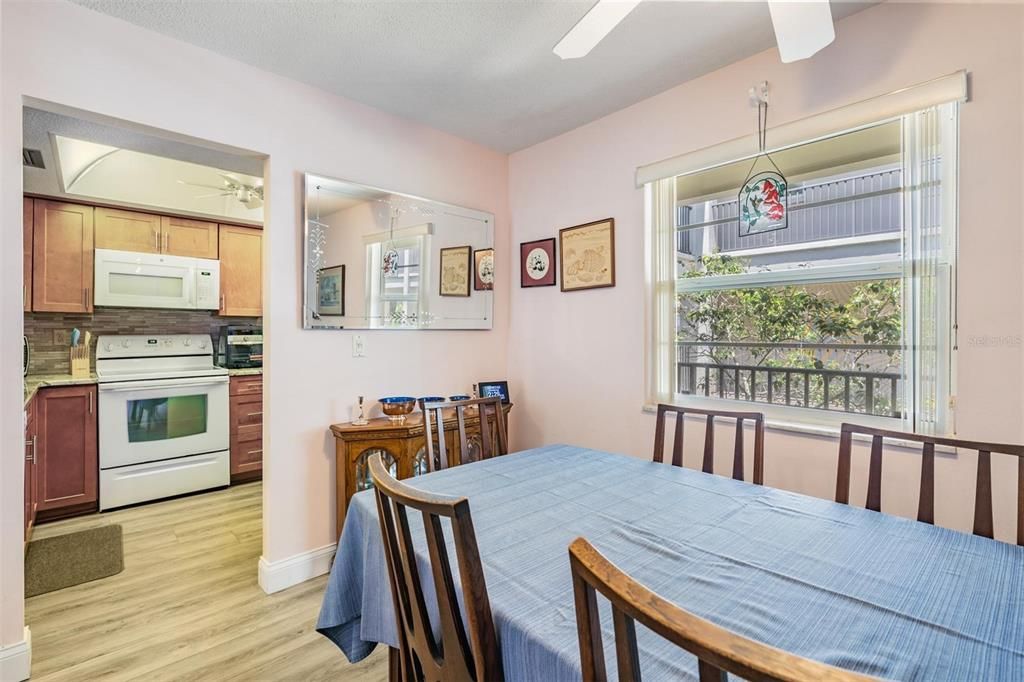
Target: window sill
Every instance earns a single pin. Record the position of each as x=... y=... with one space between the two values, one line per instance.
x=819 y=430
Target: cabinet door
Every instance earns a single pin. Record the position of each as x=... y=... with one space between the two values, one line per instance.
x=66 y=452
x=127 y=230
x=26 y=229
x=241 y=271
x=192 y=238
x=30 y=470
x=62 y=257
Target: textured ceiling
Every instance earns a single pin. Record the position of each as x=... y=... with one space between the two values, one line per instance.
x=480 y=69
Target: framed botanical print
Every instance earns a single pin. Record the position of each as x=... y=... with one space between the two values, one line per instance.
x=455 y=273
x=330 y=288
x=537 y=263
x=588 y=255
x=483 y=269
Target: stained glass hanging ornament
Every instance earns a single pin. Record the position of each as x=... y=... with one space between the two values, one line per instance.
x=764 y=195
x=389 y=263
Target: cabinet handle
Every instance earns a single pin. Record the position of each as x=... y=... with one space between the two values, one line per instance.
x=256 y=452
x=32 y=443
x=254 y=414
x=156 y=239
x=222 y=305
x=90 y=402
x=167 y=242
x=85 y=298
x=24 y=295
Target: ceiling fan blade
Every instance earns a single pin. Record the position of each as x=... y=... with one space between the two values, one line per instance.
x=196 y=184
x=593 y=27
x=801 y=28
x=216 y=194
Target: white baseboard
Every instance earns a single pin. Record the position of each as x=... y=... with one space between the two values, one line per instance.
x=275 y=576
x=16 y=660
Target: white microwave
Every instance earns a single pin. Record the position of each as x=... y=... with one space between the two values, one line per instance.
x=152 y=280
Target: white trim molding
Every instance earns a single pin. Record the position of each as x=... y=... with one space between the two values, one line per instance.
x=949 y=88
x=275 y=576
x=16 y=659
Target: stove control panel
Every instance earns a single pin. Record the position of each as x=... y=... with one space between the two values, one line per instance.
x=157 y=345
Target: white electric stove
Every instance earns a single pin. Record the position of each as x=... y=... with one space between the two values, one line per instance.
x=163 y=417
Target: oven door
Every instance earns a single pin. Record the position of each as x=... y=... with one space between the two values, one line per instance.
x=153 y=420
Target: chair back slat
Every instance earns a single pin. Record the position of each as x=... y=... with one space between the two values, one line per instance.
x=493 y=432
x=983 y=515
x=718 y=650
x=737 y=458
x=983 y=495
x=926 y=502
x=709 y=446
x=874 y=501
x=468 y=649
x=708 y=458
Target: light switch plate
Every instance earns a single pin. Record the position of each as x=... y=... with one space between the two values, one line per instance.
x=358 y=346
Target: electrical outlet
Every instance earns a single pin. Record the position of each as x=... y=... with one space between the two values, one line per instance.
x=61 y=337
x=358 y=346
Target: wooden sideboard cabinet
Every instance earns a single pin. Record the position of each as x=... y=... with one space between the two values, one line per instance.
x=402 y=445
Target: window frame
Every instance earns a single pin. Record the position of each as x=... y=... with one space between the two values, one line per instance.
x=662 y=285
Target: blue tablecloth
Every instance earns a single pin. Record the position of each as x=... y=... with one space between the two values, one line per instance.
x=865 y=591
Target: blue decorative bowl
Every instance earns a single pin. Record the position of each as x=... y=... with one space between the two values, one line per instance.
x=432 y=399
x=396 y=407
x=458 y=397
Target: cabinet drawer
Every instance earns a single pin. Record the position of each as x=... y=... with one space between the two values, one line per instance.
x=246 y=410
x=247 y=385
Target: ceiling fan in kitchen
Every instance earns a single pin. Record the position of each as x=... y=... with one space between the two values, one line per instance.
x=250 y=196
x=802 y=27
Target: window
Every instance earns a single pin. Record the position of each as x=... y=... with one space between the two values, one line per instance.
x=845 y=314
x=394 y=299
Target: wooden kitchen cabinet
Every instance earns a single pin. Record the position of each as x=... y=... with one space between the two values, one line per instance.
x=192 y=238
x=127 y=230
x=26 y=273
x=246 y=415
x=66 y=453
x=30 y=469
x=62 y=257
x=148 y=233
x=241 y=271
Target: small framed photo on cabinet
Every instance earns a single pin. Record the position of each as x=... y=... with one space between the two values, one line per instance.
x=537 y=263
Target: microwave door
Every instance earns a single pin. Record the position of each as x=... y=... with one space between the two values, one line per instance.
x=134 y=281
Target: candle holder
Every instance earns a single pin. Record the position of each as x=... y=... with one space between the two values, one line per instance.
x=361 y=420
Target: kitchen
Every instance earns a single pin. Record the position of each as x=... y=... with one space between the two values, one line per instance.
x=143 y=344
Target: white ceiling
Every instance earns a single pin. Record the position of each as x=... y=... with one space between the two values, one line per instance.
x=480 y=69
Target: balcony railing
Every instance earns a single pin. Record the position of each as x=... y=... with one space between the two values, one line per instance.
x=858 y=206
x=861 y=391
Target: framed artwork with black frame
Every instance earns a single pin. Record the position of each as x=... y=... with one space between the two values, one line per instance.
x=330 y=288
x=494 y=389
x=455 y=271
x=537 y=263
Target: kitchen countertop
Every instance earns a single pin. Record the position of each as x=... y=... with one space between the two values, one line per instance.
x=245 y=372
x=33 y=382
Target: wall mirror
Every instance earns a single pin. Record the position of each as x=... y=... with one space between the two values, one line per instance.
x=377 y=259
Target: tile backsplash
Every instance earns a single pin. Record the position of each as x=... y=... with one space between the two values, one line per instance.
x=52 y=358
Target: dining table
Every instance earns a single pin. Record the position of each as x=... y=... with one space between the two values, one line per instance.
x=862 y=590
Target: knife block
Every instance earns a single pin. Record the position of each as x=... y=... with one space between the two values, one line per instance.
x=80 y=367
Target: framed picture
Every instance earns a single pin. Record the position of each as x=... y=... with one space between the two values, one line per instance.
x=588 y=255
x=494 y=389
x=537 y=263
x=483 y=269
x=455 y=270
x=330 y=290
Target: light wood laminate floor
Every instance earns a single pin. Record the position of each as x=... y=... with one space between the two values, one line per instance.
x=187 y=605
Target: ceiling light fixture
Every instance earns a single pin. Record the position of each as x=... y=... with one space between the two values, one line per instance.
x=593 y=27
x=801 y=28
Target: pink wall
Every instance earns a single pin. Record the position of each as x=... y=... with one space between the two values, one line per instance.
x=63 y=53
x=577 y=358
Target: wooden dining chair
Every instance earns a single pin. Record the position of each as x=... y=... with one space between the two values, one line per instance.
x=926 y=503
x=467 y=650
x=718 y=651
x=709 y=439
x=493 y=432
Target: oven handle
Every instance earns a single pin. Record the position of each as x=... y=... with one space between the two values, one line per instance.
x=163 y=383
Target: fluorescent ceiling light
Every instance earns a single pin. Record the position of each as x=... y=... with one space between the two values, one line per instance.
x=801 y=28
x=593 y=27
